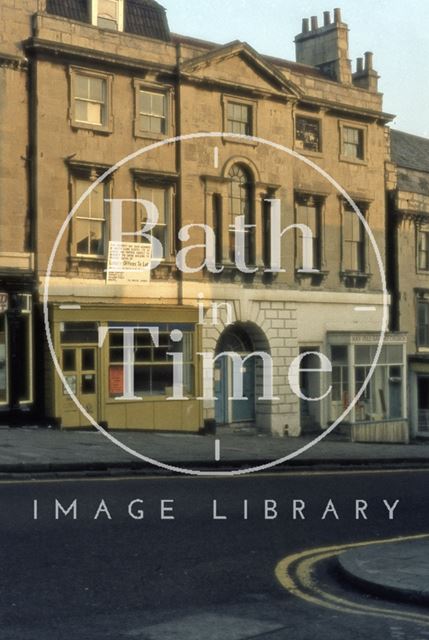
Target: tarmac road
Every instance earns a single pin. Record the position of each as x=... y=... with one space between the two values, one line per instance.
x=118 y=565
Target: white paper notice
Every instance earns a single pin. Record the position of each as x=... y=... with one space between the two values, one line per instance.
x=128 y=263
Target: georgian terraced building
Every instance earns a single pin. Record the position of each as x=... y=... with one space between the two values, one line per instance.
x=93 y=81
x=408 y=225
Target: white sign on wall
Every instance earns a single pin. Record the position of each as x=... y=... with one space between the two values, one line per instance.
x=128 y=263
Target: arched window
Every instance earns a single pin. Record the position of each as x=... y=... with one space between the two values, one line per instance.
x=240 y=204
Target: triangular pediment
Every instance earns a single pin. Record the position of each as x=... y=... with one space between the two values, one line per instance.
x=238 y=64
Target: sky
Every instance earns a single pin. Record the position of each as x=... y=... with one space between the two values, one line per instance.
x=394 y=30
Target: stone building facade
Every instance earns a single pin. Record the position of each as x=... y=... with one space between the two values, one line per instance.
x=102 y=80
x=408 y=233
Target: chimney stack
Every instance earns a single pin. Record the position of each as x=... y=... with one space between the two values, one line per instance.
x=305 y=25
x=326 y=47
x=365 y=76
x=368 y=60
x=337 y=16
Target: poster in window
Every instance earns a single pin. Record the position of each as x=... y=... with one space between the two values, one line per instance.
x=116 y=380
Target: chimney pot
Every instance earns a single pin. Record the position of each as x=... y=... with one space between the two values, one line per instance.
x=337 y=15
x=314 y=23
x=305 y=25
x=368 y=60
x=359 y=65
x=326 y=18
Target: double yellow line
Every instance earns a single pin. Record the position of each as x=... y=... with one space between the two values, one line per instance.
x=296 y=574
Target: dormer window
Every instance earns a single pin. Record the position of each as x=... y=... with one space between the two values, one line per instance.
x=108 y=14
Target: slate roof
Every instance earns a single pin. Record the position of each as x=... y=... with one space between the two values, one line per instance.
x=72 y=9
x=146 y=18
x=409 y=151
x=142 y=17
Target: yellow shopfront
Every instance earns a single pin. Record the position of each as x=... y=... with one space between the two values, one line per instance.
x=92 y=346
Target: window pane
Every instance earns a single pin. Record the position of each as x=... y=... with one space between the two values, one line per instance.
x=308 y=133
x=88 y=383
x=82 y=231
x=81 y=111
x=162 y=377
x=339 y=355
x=69 y=359
x=156 y=125
x=145 y=102
x=96 y=89
x=94 y=113
x=97 y=238
x=158 y=104
x=108 y=8
x=363 y=355
x=82 y=86
x=88 y=359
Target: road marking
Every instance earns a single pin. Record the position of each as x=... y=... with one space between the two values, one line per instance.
x=365 y=308
x=217 y=450
x=295 y=574
x=280 y=474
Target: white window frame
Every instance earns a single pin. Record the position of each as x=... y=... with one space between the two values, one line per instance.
x=95 y=14
x=423 y=230
x=107 y=192
x=344 y=124
x=168 y=93
x=106 y=126
x=168 y=214
x=164 y=118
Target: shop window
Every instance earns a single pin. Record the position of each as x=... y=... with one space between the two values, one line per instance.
x=108 y=14
x=239 y=118
x=382 y=398
x=3 y=360
x=340 y=382
x=162 y=198
x=91 y=99
x=423 y=249
x=352 y=143
x=89 y=223
x=309 y=213
x=240 y=204
x=307 y=134
x=153 y=368
x=79 y=332
x=423 y=323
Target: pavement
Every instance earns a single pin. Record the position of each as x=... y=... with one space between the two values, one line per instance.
x=396 y=570
x=399 y=570
x=34 y=449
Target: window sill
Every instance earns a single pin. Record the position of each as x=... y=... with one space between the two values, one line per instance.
x=102 y=130
x=355 y=279
x=316 y=276
x=308 y=152
x=237 y=139
x=356 y=161
x=146 y=135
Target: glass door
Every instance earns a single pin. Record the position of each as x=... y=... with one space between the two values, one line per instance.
x=80 y=370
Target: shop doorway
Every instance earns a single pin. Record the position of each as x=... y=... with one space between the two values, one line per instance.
x=228 y=411
x=79 y=364
x=310 y=388
x=423 y=404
